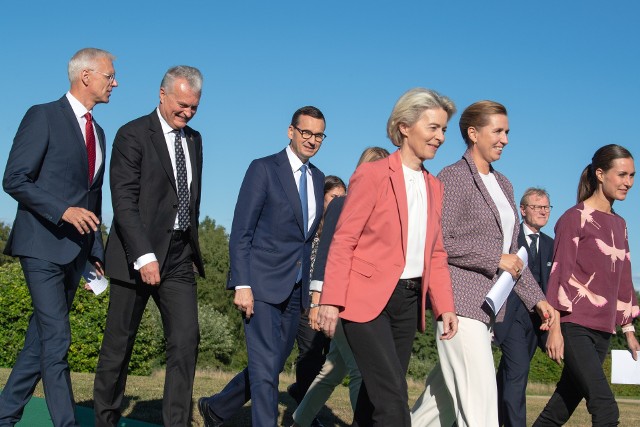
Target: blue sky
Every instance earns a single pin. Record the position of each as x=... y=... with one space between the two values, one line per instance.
x=567 y=72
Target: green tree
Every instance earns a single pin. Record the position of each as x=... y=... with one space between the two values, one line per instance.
x=4 y=236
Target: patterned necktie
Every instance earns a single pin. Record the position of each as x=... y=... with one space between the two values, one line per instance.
x=304 y=203
x=533 y=247
x=183 y=188
x=91 y=146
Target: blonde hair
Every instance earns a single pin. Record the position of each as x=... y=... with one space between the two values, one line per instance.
x=371 y=154
x=410 y=107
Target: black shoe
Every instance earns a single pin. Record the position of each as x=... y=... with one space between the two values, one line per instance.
x=316 y=423
x=210 y=419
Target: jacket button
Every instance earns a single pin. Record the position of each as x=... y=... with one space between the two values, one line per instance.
x=169 y=231
x=299 y=263
x=175 y=206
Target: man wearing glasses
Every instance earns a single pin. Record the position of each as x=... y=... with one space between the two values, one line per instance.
x=276 y=216
x=519 y=333
x=54 y=172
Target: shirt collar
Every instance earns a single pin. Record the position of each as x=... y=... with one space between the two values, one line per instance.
x=527 y=230
x=79 y=110
x=166 y=129
x=294 y=160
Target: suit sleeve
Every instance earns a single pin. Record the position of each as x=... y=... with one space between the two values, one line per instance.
x=23 y=167
x=328 y=229
x=125 y=173
x=440 y=291
x=251 y=200
x=358 y=206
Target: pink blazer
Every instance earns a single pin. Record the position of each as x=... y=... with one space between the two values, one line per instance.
x=367 y=253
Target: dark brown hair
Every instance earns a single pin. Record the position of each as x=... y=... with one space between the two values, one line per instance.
x=602 y=159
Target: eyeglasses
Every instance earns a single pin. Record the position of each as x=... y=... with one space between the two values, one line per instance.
x=538 y=208
x=306 y=134
x=110 y=77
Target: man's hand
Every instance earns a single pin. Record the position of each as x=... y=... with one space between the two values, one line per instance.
x=328 y=319
x=632 y=343
x=244 y=301
x=547 y=314
x=150 y=273
x=449 y=325
x=83 y=220
x=99 y=269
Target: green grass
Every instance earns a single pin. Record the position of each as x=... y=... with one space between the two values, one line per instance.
x=144 y=400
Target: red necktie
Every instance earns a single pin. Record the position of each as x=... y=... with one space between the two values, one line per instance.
x=91 y=146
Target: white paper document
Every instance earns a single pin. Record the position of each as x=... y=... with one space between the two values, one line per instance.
x=501 y=289
x=97 y=284
x=624 y=370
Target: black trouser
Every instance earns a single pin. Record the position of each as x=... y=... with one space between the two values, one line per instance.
x=313 y=347
x=582 y=377
x=176 y=299
x=382 y=349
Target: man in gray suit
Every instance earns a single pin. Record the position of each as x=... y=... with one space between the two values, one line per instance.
x=519 y=333
x=54 y=172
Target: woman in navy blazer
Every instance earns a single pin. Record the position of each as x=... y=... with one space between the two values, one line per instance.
x=480 y=230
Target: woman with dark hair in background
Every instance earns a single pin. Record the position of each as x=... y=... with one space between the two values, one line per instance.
x=386 y=253
x=339 y=360
x=480 y=228
x=591 y=285
x=313 y=346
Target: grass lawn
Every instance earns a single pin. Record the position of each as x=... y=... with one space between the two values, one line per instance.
x=143 y=400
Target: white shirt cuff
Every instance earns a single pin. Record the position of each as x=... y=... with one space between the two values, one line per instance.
x=316 y=285
x=242 y=287
x=144 y=260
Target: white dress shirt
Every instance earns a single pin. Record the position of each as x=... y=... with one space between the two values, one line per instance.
x=416 y=189
x=79 y=111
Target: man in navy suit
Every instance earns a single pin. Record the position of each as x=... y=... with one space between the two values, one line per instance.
x=278 y=210
x=55 y=171
x=519 y=333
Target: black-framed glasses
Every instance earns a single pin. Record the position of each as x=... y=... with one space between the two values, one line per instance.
x=306 y=134
x=110 y=77
x=538 y=208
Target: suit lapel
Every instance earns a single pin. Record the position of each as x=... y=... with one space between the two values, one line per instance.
x=80 y=144
x=193 y=158
x=160 y=144
x=287 y=180
x=400 y=192
x=318 y=190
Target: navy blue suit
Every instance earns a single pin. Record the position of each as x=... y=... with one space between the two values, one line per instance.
x=518 y=336
x=47 y=172
x=267 y=247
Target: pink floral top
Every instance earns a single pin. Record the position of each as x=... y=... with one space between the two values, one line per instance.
x=590 y=280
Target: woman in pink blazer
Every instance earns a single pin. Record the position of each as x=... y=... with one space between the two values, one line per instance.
x=387 y=252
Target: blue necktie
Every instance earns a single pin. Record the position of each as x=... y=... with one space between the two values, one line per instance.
x=304 y=203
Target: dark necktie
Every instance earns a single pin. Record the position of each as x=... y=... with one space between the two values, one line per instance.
x=304 y=203
x=91 y=146
x=533 y=247
x=183 y=188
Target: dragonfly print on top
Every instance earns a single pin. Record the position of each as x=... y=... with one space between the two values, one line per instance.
x=592 y=269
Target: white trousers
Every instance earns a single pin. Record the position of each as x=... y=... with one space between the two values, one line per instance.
x=461 y=388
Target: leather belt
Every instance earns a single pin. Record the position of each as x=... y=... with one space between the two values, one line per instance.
x=414 y=284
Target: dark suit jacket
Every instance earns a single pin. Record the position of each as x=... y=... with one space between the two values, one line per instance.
x=144 y=196
x=541 y=274
x=331 y=216
x=267 y=244
x=47 y=172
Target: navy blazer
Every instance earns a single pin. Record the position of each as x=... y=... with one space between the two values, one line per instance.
x=47 y=172
x=268 y=245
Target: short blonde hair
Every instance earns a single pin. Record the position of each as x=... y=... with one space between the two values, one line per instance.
x=410 y=107
x=371 y=154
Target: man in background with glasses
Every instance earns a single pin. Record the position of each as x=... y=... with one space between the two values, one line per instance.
x=519 y=333
x=54 y=172
x=278 y=210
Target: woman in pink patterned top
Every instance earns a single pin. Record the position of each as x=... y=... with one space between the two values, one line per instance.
x=590 y=284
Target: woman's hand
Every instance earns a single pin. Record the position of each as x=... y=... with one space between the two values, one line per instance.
x=632 y=343
x=328 y=319
x=313 y=312
x=512 y=264
x=555 y=344
x=547 y=314
x=449 y=325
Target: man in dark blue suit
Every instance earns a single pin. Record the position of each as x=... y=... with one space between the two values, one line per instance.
x=55 y=171
x=278 y=210
x=519 y=333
